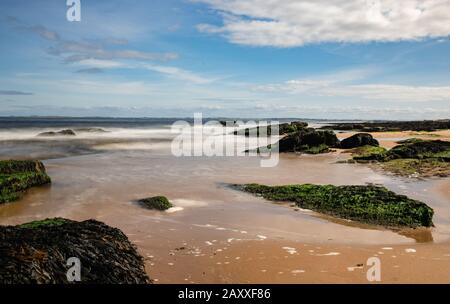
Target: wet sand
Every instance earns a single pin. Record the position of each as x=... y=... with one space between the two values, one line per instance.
x=223 y=235
x=272 y=261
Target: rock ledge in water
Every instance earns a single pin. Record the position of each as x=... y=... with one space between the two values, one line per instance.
x=367 y=204
x=67 y=132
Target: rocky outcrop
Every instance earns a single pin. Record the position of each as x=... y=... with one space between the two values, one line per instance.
x=367 y=204
x=283 y=129
x=359 y=140
x=18 y=176
x=421 y=149
x=66 y=132
x=412 y=158
x=37 y=253
x=425 y=125
x=305 y=139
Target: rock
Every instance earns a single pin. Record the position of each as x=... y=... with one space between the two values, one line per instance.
x=421 y=149
x=90 y=130
x=383 y=126
x=227 y=123
x=359 y=140
x=18 y=176
x=284 y=128
x=37 y=253
x=367 y=204
x=369 y=153
x=66 y=132
x=306 y=139
x=157 y=202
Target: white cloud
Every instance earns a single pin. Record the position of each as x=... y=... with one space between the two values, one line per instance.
x=178 y=73
x=290 y=23
x=101 y=64
x=338 y=88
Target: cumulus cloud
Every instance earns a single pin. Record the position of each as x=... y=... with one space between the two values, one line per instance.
x=290 y=23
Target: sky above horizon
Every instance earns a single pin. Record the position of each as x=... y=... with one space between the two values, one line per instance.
x=341 y=59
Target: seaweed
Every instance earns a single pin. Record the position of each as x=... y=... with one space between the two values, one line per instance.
x=157 y=202
x=367 y=203
x=18 y=176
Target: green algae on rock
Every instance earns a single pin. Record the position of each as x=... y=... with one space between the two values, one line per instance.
x=367 y=153
x=17 y=176
x=413 y=157
x=157 y=202
x=367 y=204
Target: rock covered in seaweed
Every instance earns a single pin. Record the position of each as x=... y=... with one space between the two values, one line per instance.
x=359 y=140
x=368 y=204
x=384 y=126
x=421 y=149
x=307 y=139
x=157 y=202
x=16 y=176
x=37 y=253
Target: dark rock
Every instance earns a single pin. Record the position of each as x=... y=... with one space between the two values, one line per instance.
x=306 y=139
x=229 y=123
x=66 y=132
x=37 y=253
x=359 y=140
x=421 y=149
x=383 y=126
x=284 y=128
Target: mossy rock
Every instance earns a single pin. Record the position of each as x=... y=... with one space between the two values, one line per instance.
x=421 y=150
x=316 y=149
x=367 y=153
x=157 y=202
x=367 y=204
x=413 y=157
x=18 y=176
x=307 y=140
x=417 y=167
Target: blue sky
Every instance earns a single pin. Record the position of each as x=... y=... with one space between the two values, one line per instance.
x=250 y=58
